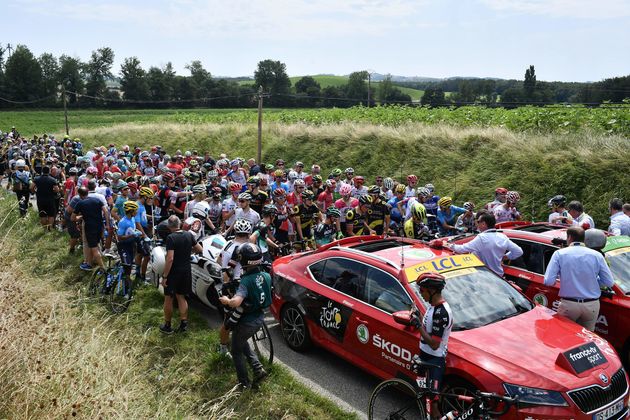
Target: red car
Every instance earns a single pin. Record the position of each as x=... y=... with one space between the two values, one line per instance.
x=528 y=273
x=353 y=297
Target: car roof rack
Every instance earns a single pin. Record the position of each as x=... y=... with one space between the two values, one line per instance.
x=366 y=254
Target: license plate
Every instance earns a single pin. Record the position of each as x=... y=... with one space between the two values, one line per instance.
x=609 y=412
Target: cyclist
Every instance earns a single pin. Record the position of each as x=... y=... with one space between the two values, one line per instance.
x=499 y=198
x=466 y=222
x=435 y=331
x=199 y=195
x=431 y=202
x=447 y=216
x=259 y=198
x=507 y=211
x=359 y=189
x=410 y=189
x=282 y=224
x=326 y=198
x=127 y=234
x=415 y=227
x=378 y=217
x=345 y=204
x=253 y=295
x=263 y=235
x=398 y=204
x=215 y=211
x=559 y=214
x=349 y=172
x=21 y=181
x=387 y=187
x=356 y=218
x=330 y=229
x=306 y=215
x=295 y=197
x=243 y=211
x=228 y=207
x=145 y=226
x=122 y=195
x=278 y=178
x=316 y=185
x=45 y=188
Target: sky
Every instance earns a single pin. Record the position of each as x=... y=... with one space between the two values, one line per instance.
x=567 y=40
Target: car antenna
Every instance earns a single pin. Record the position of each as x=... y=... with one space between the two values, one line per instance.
x=402 y=243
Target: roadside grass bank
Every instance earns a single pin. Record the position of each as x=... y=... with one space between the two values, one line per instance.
x=64 y=355
x=466 y=163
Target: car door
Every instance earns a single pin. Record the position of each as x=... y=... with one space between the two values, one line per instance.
x=386 y=345
x=528 y=272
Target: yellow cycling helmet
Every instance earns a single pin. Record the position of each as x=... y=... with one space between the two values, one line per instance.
x=130 y=206
x=418 y=211
x=445 y=201
x=400 y=189
x=146 y=192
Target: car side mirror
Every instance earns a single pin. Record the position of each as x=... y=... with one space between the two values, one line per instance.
x=608 y=293
x=403 y=317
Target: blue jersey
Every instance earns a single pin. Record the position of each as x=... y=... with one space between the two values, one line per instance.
x=141 y=216
x=395 y=214
x=451 y=217
x=282 y=185
x=126 y=226
x=431 y=205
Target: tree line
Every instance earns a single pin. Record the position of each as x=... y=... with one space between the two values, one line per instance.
x=30 y=81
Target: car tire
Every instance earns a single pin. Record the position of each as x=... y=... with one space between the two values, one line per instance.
x=294 y=328
x=460 y=387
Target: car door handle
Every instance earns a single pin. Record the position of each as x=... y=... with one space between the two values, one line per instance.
x=362 y=321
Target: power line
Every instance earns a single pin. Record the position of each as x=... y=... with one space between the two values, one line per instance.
x=27 y=102
x=134 y=101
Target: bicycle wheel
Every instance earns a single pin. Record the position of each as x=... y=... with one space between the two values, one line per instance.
x=97 y=282
x=120 y=293
x=395 y=399
x=263 y=346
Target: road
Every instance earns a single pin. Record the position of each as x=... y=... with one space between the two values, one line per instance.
x=318 y=369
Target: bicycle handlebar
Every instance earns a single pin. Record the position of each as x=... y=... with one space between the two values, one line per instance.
x=508 y=402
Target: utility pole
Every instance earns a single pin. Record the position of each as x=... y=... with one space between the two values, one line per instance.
x=10 y=49
x=261 y=95
x=369 y=86
x=65 y=107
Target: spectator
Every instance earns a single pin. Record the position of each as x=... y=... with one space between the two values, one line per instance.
x=177 y=276
x=581 y=271
x=581 y=219
x=73 y=229
x=93 y=214
x=626 y=209
x=619 y=222
x=46 y=188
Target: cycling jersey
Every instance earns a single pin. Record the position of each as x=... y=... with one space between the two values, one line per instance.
x=466 y=224
x=376 y=216
x=357 y=219
x=409 y=192
x=258 y=200
x=492 y=205
x=325 y=233
x=141 y=215
x=395 y=213
x=449 y=217
x=501 y=214
x=584 y=221
x=415 y=230
x=359 y=191
x=437 y=322
x=263 y=230
x=326 y=198
x=307 y=215
x=282 y=224
x=431 y=204
x=560 y=218
x=344 y=207
x=251 y=215
x=214 y=213
x=228 y=205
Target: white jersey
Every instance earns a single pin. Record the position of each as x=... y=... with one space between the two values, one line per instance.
x=501 y=214
x=228 y=205
x=437 y=322
x=409 y=192
x=226 y=257
x=251 y=215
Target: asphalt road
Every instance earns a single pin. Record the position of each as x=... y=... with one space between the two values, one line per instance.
x=318 y=369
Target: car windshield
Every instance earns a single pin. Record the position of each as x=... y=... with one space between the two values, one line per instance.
x=619 y=262
x=479 y=297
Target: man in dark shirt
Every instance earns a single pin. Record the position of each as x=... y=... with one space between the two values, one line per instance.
x=46 y=188
x=177 y=276
x=93 y=214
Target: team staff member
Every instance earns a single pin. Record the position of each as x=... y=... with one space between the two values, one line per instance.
x=94 y=215
x=489 y=246
x=581 y=271
x=45 y=188
x=177 y=276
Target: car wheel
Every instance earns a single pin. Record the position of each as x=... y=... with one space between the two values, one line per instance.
x=294 y=329
x=459 y=387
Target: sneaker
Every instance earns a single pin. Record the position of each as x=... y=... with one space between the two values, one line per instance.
x=260 y=375
x=183 y=327
x=166 y=329
x=85 y=266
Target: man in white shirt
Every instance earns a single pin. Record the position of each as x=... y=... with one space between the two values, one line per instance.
x=619 y=222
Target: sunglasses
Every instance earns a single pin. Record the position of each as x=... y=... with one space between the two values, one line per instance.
x=242 y=201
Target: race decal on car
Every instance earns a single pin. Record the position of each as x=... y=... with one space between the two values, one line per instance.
x=442 y=265
x=584 y=357
x=363 y=334
x=334 y=318
x=541 y=298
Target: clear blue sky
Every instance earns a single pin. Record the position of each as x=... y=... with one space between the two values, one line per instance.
x=570 y=40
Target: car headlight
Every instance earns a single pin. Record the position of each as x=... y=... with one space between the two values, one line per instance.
x=535 y=396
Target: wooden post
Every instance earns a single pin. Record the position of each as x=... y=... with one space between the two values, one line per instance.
x=65 y=107
x=260 y=105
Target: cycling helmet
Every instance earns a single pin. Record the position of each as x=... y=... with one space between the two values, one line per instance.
x=445 y=201
x=345 y=189
x=333 y=212
x=193 y=162
x=279 y=162
x=365 y=199
x=146 y=192
x=411 y=179
x=308 y=195
x=73 y=171
x=418 y=211
x=359 y=180
x=186 y=172
x=336 y=172
x=234 y=162
x=501 y=191
x=244 y=196
x=388 y=183
x=144 y=155
x=423 y=192
x=374 y=189
x=349 y=171
x=269 y=167
x=299 y=183
x=469 y=205
x=300 y=164
x=201 y=210
x=120 y=186
x=130 y=206
x=243 y=226
x=168 y=177
x=199 y=189
x=20 y=163
x=430 y=187
x=512 y=197
x=433 y=281
x=279 y=192
x=253 y=180
x=269 y=209
x=278 y=173
x=145 y=180
x=557 y=200
x=292 y=176
x=133 y=166
x=400 y=189
x=213 y=173
x=248 y=255
x=216 y=192
x=331 y=183
x=235 y=187
x=187 y=153
x=92 y=170
x=595 y=239
x=317 y=178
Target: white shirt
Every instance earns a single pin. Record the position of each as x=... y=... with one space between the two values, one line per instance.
x=490 y=247
x=619 y=224
x=251 y=215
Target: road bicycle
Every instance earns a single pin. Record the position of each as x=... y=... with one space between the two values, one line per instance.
x=112 y=283
x=397 y=399
x=263 y=345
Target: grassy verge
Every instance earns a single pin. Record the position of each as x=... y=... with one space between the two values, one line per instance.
x=64 y=355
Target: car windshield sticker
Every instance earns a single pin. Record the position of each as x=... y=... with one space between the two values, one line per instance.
x=420 y=254
x=442 y=265
x=363 y=334
x=458 y=273
x=333 y=318
x=617 y=251
x=585 y=357
x=614 y=242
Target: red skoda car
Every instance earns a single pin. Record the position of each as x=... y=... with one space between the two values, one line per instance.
x=351 y=297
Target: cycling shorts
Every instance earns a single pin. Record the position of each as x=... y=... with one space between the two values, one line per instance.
x=435 y=375
x=126 y=251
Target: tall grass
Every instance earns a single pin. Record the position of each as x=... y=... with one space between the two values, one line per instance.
x=467 y=163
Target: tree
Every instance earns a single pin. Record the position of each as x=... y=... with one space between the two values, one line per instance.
x=70 y=69
x=388 y=93
x=134 y=82
x=529 y=85
x=308 y=85
x=433 y=97
x=160 y=84
x=200 y=78
x=50 y=75
x=97 y=70
x=23 y=75
x=272 y=77
x=356 y=87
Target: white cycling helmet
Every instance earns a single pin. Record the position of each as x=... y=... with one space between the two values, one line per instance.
x=299 y=183
x=292 y=176
x=201 y=210
x=243 y=226
x=20 y=163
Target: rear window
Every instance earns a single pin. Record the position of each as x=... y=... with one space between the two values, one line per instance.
x=375 y=246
